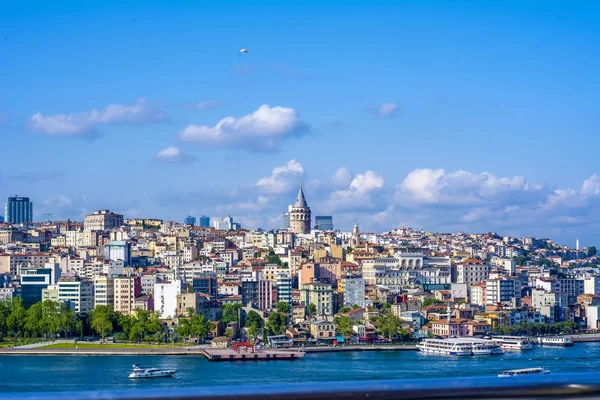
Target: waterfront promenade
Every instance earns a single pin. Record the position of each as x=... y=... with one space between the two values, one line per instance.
x=114 y=349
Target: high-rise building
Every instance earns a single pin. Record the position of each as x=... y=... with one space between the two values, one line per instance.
x=189 y=220
x=78 y=293
x=126 y=289
x=205 y=283
x=118 y=250
x=319 y=294
x=284 y=286
x=104 y=290
x=165 y=298
x=18 y=210
x=1 y=219
x=34 y=280
x=204 y=221
x=300 y=217
x=286 y=218
x=324 y=222
x=226 y=224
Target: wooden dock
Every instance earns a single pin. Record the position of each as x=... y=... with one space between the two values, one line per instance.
x=215 y=354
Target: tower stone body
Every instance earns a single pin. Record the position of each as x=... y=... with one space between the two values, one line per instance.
x=300 y=216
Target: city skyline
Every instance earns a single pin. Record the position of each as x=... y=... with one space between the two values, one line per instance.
x=404 y=132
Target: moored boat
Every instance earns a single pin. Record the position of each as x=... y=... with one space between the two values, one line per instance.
x=448 y=347
x=523 y=372
x=513 y=342
x=556 y=341
x=149 y=372
x=482 y=346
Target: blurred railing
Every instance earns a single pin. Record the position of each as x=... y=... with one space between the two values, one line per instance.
x=582 y=386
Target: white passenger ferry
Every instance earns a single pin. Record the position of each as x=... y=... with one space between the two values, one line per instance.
x=556 y=341
x=483 y=346
x=145 y=372
x=523 y=372
x=449 y=347
x=513 y=342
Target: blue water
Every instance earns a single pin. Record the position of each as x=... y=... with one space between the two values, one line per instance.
x=59 y=373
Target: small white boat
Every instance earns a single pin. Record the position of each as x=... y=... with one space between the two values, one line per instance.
x=556 y=341
x=145 y=372
x=523 y=372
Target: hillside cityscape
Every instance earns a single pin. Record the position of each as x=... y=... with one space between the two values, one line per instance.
x=305 y=283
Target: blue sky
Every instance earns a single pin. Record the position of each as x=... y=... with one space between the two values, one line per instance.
x=451 y=115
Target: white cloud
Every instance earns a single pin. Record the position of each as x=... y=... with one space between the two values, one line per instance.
x=282 y=179
x=387 y=110
x=342 y=177
x=591 y=186
x=208 y=105
x=436 y=186
x=78 y=124
x=358 y=196
x=263 y=130
x=173 y=155
x=367 y=182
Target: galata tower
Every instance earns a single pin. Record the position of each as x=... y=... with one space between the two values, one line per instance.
x=300 y=217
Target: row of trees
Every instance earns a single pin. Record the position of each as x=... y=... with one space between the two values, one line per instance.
x=51 y=319
x=43 y=319
x=530 y=329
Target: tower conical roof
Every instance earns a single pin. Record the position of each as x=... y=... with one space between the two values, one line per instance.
x=300 y=200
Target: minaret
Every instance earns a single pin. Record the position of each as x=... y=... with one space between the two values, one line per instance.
x=300 y=216
x=355 y=236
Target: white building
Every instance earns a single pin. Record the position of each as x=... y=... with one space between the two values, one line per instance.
x=472 y=271
x=78 y=292
x=165 y=298
x=118 y=251
x=592 y=285
x=284 y=286
x=503 y=290
x=104 y=291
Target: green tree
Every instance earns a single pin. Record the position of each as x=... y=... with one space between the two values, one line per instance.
x=343 y=325
x=101 y=320
x=17 y=318
x=253 y=322
x=283 y=307
x=196 y=326
x=4 y=313
x=143 y=323
x=343 y=310
x=252 y=318
x=312 y=309
x=231 y=313
x=591 y=251
x=276 y=322
x=431 y=301
x=50 y=322
x=355 y=306
x=389 y=326
x=33 y=320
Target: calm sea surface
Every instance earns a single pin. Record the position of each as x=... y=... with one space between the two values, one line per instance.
x=59 y=373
